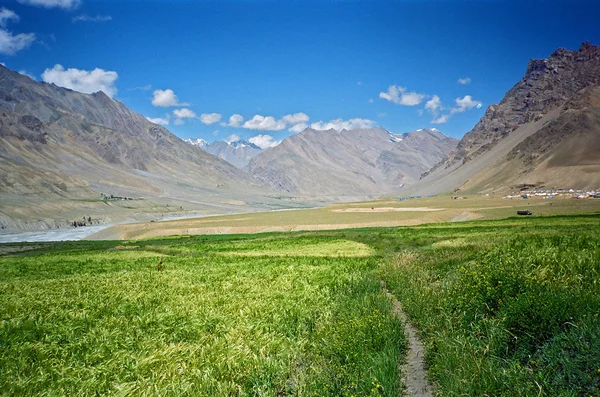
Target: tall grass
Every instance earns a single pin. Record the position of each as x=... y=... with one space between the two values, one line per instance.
x=506 y=308
x=98 y=319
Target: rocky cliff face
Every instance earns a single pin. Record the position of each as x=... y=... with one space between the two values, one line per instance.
x=547 y=85
x=355 y=163
x=545 y=133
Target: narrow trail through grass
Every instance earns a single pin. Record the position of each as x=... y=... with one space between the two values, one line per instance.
x=413 y=372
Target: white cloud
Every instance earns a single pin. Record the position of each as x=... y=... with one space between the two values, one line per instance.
x=263 y=123
x=7 y=15
x=234 y=121
x=184 y=113
x=166 y=98
x=297 y=121
x=264 y=141
x=295 y=118
x=465 y=103
x=158 y=120
x=462 y=105
x=89 y=18
x=232 y=138
x=298 y=127
x=464 y=81
x=82 y=80
x=12 y=43
x=441 y=120
x=339 y=124
x=434 y=104
x=371 y=100
x=66 y=4
x=210 y=118
x=400 y=96
x=24 y=73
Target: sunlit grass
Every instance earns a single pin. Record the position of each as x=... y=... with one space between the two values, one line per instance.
x=90 y=319
x=505 y=307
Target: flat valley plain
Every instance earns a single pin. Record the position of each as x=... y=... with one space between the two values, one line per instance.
x=385 y=212
x=505 y=306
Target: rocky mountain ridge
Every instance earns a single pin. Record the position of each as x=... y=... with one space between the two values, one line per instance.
x=547 y=84
x=545 y=132
x=349 y=163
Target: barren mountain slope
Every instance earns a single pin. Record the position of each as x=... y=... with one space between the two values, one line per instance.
x=543 y=107
x=564 y=153
x=60 y=145
x=355 y=163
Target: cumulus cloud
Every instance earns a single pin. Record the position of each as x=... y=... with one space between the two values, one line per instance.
x=184 y=113
x=82 y=80
x=441 y=119
x=7 y=15
x=296 y=121
x=89 y=18
x=232 y=138
x=399 y=95
x=434 y=104
x=166 y=98
x=298 y=127
x=210 y=118
x=12 y=43
x=263 y=123
x=465 y=103
x=159 y=120
x=234 y=121
x=464 y=81
x=66 y=4
x=339 y=124
x=295 y=118
x=462 y=105
x=264 y=141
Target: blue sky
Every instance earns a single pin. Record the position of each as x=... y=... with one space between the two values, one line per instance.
x=278 y=66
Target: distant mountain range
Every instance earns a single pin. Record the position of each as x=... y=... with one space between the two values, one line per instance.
x=545 y=133
x=349 y=163
x=237 y=152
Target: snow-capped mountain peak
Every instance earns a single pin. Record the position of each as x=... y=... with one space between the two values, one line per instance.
x=196 y=142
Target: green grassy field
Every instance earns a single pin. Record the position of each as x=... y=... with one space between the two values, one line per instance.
x=253 y=315
x=504 y=307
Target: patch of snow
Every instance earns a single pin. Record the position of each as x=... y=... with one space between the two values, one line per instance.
x=395 y=137
x=196 y=142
